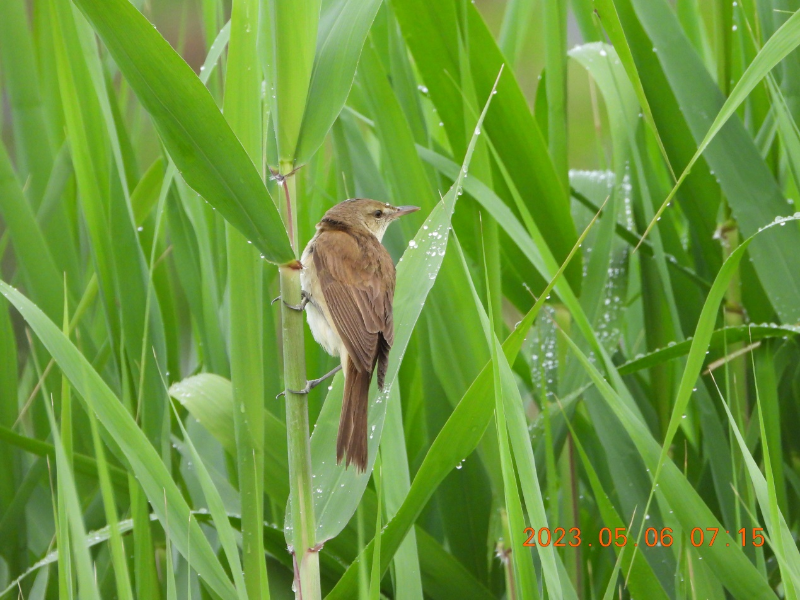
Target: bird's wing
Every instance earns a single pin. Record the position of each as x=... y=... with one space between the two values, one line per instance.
x=357 y=281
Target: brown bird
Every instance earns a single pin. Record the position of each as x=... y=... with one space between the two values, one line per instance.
x=348 y=281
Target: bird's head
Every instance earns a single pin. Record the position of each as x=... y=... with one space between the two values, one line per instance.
x=371 y=215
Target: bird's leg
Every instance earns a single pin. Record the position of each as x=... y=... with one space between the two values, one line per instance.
x=298 y=307
x=312 y=383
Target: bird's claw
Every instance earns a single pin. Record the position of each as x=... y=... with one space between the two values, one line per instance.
x=312 y=383
x=302 y=392
x=298 y=307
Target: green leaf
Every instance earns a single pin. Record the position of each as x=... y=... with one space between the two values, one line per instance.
x=145 y=195
x=701 y=340
x=291 y=30
x=607 y=13
x=33 y=144
x=199 y=140
x=782 y=540
x=507 y=398
x=343 y=27
x=243 y=110
x=396 y=483
x=749 y=186
x=516 y=22
x=731 y=566
x=87 y=585
x=555 y=60
x=375 y=577
x=719 y=340
x=121 y=575
x=29 y=242
x=510 y=127
x=209 y=399
x=217 y=510
x=150 y=471
x=85 y=465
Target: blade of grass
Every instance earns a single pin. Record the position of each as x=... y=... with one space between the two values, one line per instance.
x=775 y=267
x=375 y=578
x=343 y=27
x=85 y=465
x=514 y=29
x=732 y=567
x=781 y=538
x=524 y=573
x=719 y=338
x=172 y=592
x=145 y=195
x=120 y=562
x=87 y=588
x=31 y=249
x=142 y=457
x=10 y=483
x=217 y=510
x=65 y=583
x=242 y=108
x=555 y=53
x=199 y=140
x=697 y=353
x=767 y=376
x=35 y=152
x=607 y=13
x=396 y=482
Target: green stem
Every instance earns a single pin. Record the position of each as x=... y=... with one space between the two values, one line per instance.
x=555 y=51
x=242 y=107
x=723 y=21
x=736 y=369
x=65 y=584
x=245 y=273
x=734 y=317
x=306 y=555
x=570 y=509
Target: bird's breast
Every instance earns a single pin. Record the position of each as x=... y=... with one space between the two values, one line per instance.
x=317 y=314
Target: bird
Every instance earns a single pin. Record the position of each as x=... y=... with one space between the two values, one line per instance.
x=348 y=282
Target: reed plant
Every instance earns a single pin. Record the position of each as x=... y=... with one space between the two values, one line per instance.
x=595 y=376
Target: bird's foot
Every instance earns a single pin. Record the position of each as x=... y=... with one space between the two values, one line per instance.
x=298 y=307
x=312 y=383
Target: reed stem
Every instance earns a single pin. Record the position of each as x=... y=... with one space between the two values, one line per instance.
x=306 y=555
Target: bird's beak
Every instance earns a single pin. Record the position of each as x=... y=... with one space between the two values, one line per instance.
x=404 y=210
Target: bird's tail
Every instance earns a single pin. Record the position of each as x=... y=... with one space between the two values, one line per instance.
x=351 y=442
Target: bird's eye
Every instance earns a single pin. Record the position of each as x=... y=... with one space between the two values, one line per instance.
x=378 y=214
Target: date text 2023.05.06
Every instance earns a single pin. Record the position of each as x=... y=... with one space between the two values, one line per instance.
x=653 y=537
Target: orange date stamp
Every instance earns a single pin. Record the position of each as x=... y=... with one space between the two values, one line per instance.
x=562 y=538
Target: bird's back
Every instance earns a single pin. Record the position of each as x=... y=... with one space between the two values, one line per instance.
x=355 y=276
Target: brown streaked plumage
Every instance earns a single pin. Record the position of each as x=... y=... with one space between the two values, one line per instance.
x=348 y=279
